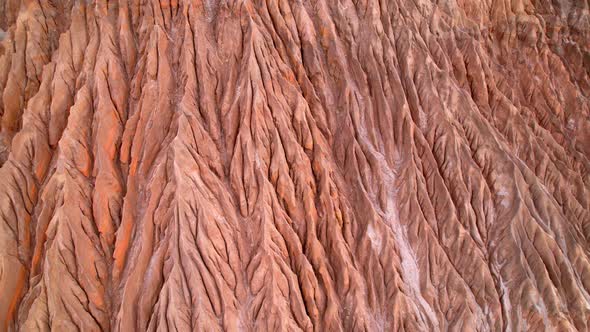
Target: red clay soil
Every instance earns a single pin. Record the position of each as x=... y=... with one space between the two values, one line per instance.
x=284 y=165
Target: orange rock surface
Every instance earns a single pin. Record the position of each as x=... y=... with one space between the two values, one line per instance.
x=285 y=165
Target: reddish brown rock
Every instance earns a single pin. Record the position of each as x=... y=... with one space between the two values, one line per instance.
x=321 y=165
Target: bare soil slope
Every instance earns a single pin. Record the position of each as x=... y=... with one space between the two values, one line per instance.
x=325 y=165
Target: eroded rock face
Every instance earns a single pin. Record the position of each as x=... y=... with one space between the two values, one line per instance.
x=295 y=165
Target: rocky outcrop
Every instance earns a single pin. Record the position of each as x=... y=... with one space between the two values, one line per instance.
x=295 y=165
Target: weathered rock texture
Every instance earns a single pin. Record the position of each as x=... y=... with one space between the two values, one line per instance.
x=287 y=165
